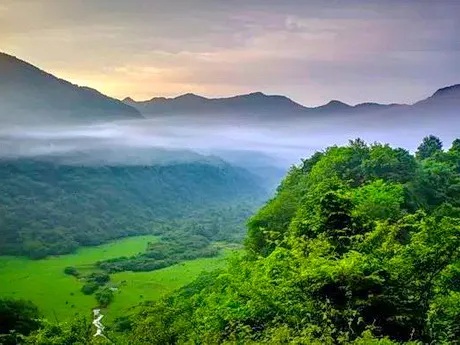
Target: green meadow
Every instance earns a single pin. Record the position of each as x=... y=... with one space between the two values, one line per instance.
x=58 y=295
x=136 y=287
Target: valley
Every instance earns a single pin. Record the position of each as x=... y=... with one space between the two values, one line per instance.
x=59 y=296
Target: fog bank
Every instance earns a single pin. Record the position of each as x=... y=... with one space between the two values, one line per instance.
x=285 y=142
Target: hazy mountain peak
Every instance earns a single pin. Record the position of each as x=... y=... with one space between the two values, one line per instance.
x=189 y=97
x=262 y=97
x=374 y=105
x=4 y=58
x=257 y=94
x=446 y=97
x=29 y=94
x=368 y=104
x=15 y=70
x=156 y=99
x=334 y=105
x=448 y=91
x=255 y=103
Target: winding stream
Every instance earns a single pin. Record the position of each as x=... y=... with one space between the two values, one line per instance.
x=97 y=323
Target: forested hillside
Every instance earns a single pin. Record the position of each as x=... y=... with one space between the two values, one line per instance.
x=360 y=245
x=48 y=208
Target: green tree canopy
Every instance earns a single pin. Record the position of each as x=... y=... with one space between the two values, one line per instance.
x=360 y=245
x=17 y=317
x=429 y=146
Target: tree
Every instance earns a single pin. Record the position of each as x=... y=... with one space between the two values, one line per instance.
x=378 y=201
x=104 y=297
x=455 y=146
x=17 y=317
x=72 y=271
x=395 y=165
x=429 y=147
x=100 y=278
x=89 y=288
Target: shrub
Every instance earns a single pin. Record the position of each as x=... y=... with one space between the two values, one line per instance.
x=89 y=288
x=71 y=271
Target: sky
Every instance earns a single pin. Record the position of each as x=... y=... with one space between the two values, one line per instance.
x=311 y=51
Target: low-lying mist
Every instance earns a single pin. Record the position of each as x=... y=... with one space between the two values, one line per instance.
x=164 y=139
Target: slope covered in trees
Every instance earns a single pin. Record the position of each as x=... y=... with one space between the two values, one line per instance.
x=360 y=245
x=48 y=208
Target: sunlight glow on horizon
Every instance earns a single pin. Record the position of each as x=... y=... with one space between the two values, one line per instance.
x=364 y=52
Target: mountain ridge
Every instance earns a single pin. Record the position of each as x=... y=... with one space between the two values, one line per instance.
x=28 y=93
x=448 y=94
x=264 y=103
x=441 y=91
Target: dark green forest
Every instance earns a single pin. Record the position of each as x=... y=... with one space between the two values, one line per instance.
x=48 y=208
x=360 y=245
x=187 y=239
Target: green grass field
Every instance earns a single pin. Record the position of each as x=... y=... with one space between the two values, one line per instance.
x=58 y=295
x=144 y=286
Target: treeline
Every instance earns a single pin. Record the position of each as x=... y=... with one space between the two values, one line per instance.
x=166 y=253
x=188 y=239
x=48 y=208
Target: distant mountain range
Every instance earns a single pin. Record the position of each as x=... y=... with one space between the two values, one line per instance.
x=28 y=94
x=259 y=104
x=254 y=103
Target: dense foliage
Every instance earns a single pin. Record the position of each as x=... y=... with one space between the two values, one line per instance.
x=186 y=239
x=17 y=318
x=172 y=250
x=78 y=332
x=360 y=245
x=94 y=282
x=47 y=208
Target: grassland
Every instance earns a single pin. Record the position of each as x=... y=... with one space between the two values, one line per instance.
x=58 y=295
x=136 y=287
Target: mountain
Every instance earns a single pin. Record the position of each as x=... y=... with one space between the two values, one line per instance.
x=375 y=106
x=30 y=94
x=252 y=104
x=49 y=207
x=255 y=104
x=260 y=105
x=447 y=97
x=128 y=156
x=333 y=106
x=438 y=112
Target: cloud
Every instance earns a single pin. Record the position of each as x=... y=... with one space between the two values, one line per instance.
x=145 y=48
x=285 y=140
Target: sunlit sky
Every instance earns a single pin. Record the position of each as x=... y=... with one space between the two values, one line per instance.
x=311 y=51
